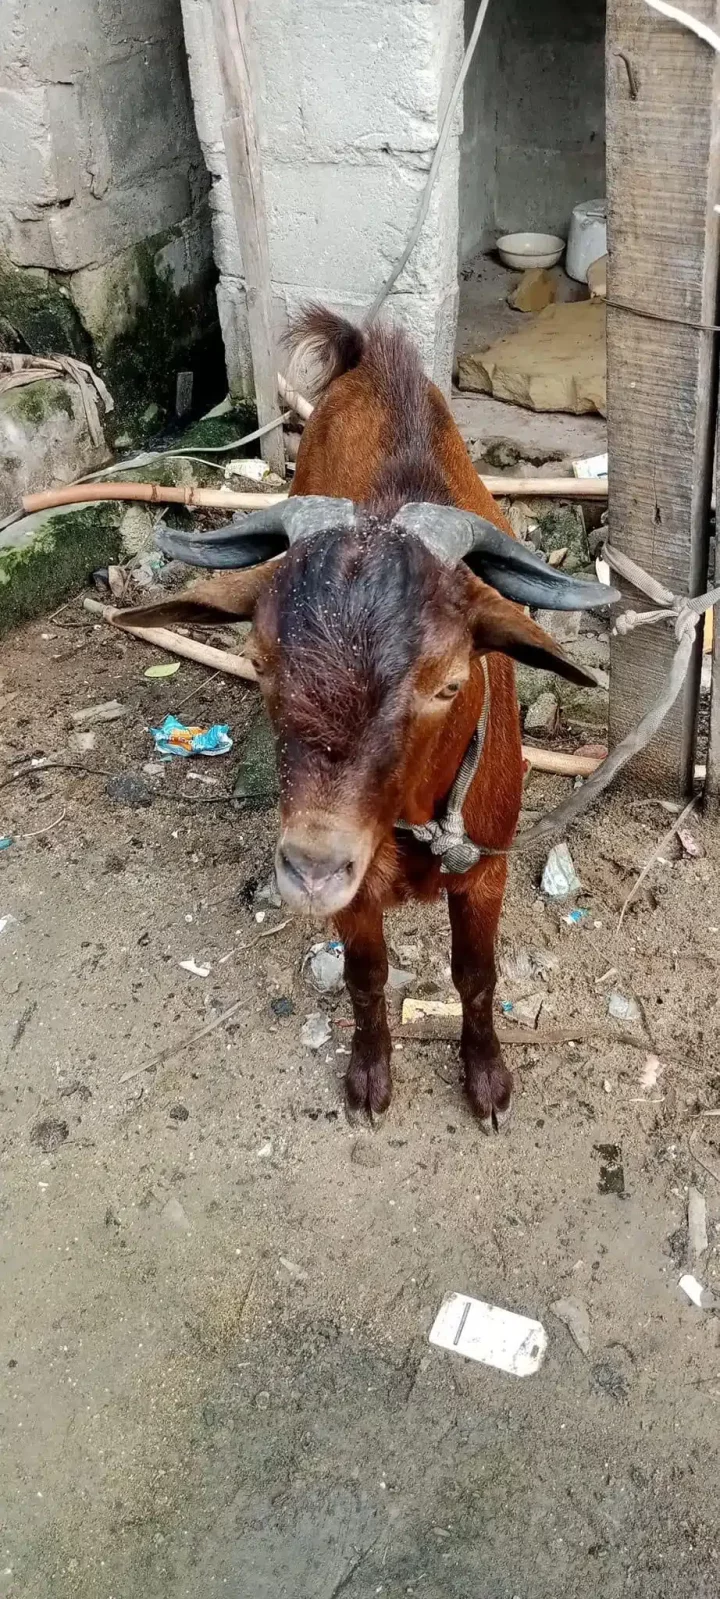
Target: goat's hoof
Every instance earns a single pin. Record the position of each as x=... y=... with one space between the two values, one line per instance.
x=489 y=1089
x=368 y=1087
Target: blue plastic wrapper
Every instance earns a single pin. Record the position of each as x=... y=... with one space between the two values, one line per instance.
x=174 y=738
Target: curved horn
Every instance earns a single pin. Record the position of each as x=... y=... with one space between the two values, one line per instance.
x=512 y=568
x=260 y=536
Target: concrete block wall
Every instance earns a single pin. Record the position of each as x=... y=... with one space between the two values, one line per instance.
x=534 y=141
x=351 y=94
x=98 y=155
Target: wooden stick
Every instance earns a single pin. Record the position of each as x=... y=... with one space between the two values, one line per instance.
x=447 y=1030
x=189 y=648
x=293 y=398
x=650 y=862
x=560 y=763
x=242 y=149
x=234 y=500
x=554 y=488
x=206 y=499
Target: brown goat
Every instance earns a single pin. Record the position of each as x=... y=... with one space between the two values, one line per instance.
x=374 y=658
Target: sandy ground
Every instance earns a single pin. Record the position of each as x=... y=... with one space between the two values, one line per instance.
x=216 y=1292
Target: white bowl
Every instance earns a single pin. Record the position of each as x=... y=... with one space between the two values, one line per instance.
x=522 y=250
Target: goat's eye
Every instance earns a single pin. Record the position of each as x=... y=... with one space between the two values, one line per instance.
x=449 y=691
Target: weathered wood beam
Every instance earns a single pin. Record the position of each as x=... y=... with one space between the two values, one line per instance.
x=663 y=114
x=242 y=149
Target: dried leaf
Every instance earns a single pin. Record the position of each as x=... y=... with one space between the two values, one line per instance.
x=163 y=669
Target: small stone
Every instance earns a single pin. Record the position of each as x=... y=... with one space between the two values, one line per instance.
x=697 y=1224
x=543 y=715
x=293 y=1270
x=178 y=1113
x=265 y=1150
x=526 y=1011
x=49 y=1134
x=109 y=711
x=563 y=626
x=175 y=1216
x=363 y=1153
x=398 y=980
x=269 y=894
x=316 y=1031
x=262 y=1400
x=83 y=742
x=537 y=288
x=575 y=1317
x=128 y=788
x=408 y=954
x=622 y=1008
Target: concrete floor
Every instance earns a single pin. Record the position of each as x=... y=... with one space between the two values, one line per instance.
x=485 y=316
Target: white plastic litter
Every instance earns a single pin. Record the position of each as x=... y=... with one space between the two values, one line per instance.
x=489 y=1334
x=316 y=1031
x=194 y=969
x=326 y=964
x=592 y=466
x=559 y=879
x=702 y=1297
x=253 y=469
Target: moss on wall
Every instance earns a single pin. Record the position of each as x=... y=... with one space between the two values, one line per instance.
x=37 y=306
x=48 y=556
x=170 y=330
x=131 y=323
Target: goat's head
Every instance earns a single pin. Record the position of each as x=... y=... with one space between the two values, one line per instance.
x=364 y=636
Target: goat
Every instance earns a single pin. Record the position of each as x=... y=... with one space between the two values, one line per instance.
x=385 y=664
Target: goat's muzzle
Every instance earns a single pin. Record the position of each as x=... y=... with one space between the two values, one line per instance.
x=320 y=867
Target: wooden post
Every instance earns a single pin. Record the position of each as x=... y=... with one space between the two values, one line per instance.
x=712 y=781
x=242 y=150
x=663 y=102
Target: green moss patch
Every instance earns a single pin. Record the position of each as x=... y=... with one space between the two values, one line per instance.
x=35 y=402
x=49 y=556
x=38 y=309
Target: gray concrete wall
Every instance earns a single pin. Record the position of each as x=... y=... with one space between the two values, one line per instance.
x=99 y=156
x=350 y=99
x=534 y=142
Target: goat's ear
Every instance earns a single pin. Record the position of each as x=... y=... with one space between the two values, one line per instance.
x=225 y=597
x=498 y=625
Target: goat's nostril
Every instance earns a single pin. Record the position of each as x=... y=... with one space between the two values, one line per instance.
x=312 y=872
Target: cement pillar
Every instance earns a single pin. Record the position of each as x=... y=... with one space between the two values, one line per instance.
x=351 y=95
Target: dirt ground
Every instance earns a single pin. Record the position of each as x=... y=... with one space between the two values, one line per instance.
x=216 y=1292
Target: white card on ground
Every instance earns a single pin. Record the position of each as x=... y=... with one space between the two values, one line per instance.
x=487 y=1333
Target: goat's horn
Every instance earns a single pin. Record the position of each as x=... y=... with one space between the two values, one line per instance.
x=505 y=563
x=261 y=535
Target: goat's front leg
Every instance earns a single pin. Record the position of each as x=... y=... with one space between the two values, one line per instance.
x=368 y=1081
x=474 y=916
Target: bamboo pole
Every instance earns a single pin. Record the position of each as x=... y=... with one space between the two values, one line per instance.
x=189 y=648
x=560 y=763
x=247 y=188
x=153 y=493
x=235 y=500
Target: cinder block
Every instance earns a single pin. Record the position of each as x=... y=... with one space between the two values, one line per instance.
x=95 y=231
x=356 y=75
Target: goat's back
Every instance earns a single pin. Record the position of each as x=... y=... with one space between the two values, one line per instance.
x=376 y=409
